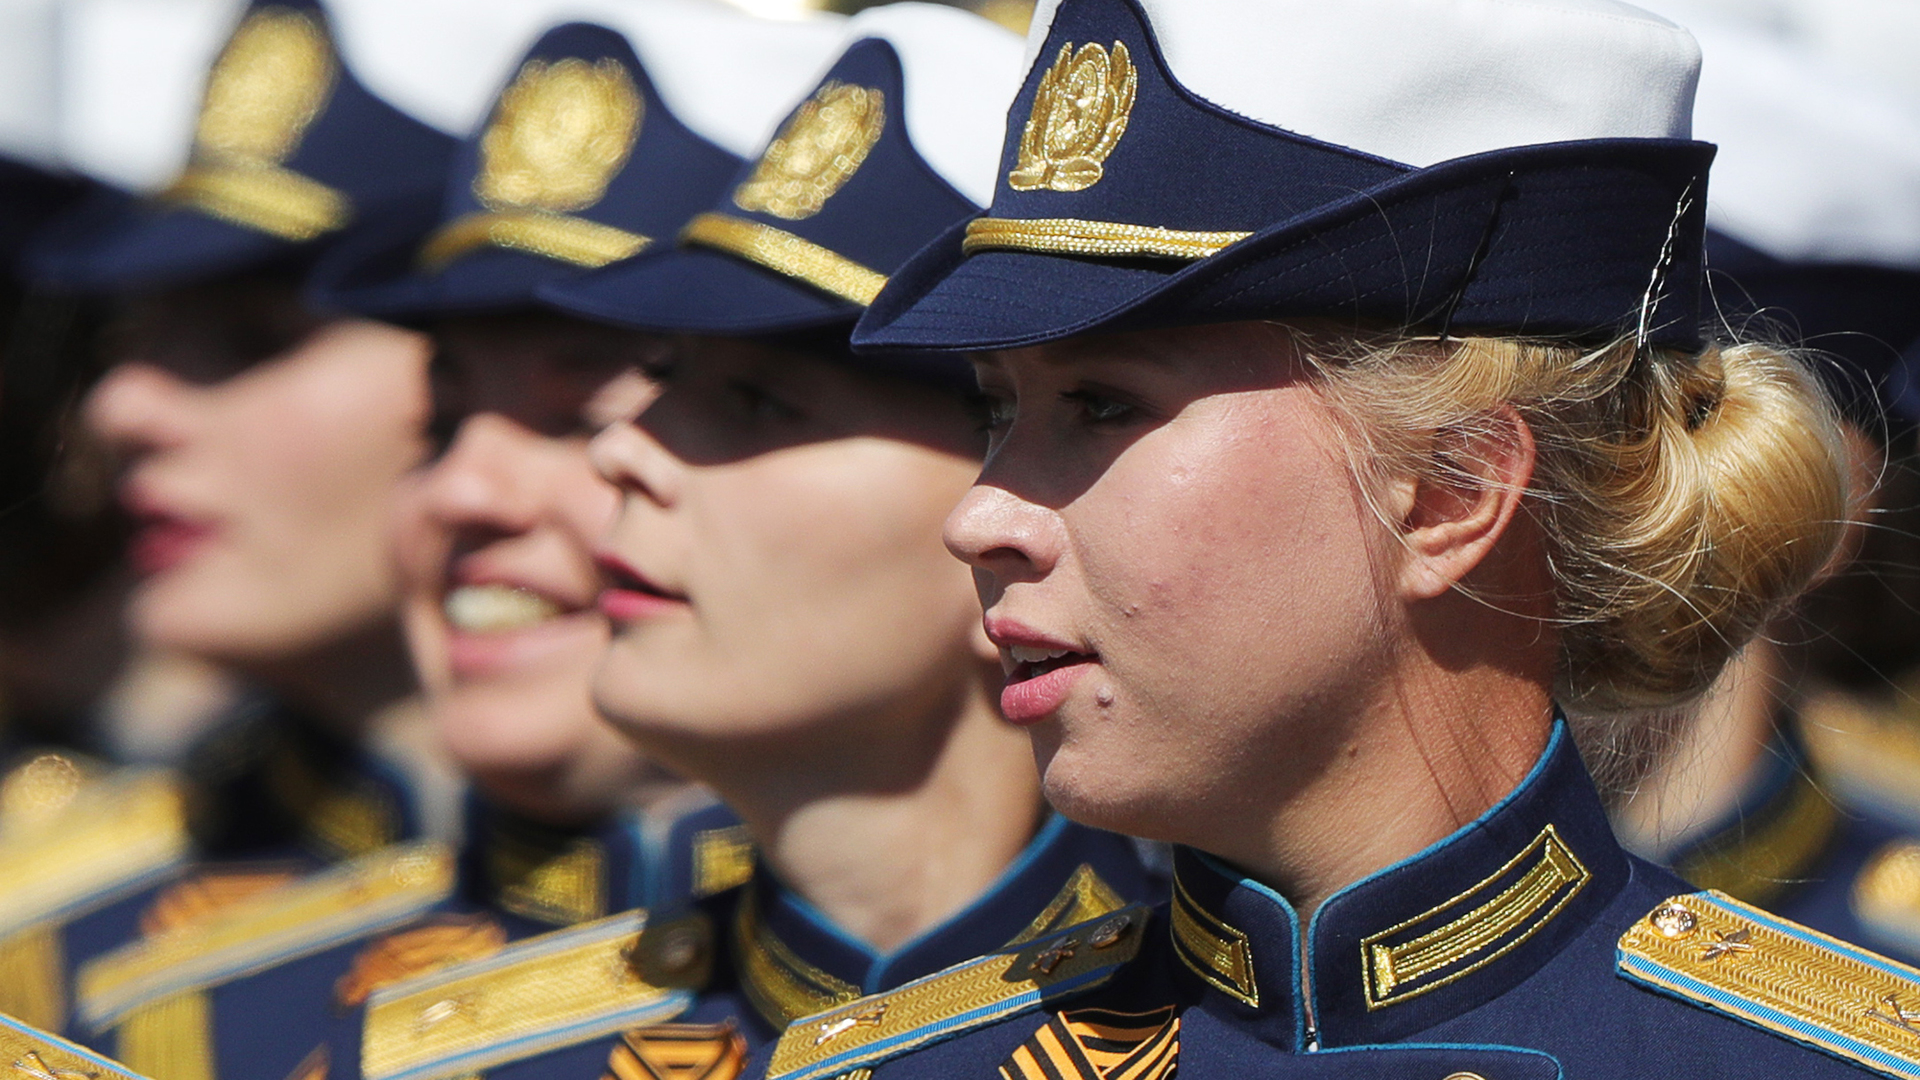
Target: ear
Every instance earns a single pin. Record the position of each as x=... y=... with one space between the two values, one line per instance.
x=1454 y=519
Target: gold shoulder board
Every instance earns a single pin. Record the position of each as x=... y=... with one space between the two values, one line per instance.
x=355 y=899
x=113 y=837
x=1732 y=958
x=37 y=1055
x=541 y=994
x=959 y=999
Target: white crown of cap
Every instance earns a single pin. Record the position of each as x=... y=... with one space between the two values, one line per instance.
x=724 y=73
x=961 y=74
x=131 y=74
x=1425 y=81
x=1819 y=161
x=29 y=124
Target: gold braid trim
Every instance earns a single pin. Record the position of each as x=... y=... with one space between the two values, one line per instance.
x=266 y=198
x=33 y=977
x=171 y=1039
x=561 y=237
x=1072 y=236
x=786 y=254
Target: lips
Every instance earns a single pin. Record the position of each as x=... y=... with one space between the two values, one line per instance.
x=164 y=541
x=631 y=596
x=1041 y=670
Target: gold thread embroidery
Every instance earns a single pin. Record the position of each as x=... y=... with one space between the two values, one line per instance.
x=1766 y=858
x=985 y=990
x=542 y=993
x=787 y=254
x=815 y=153
x=560 y=237
x=272 y=79
x=1071 y=236
x=559 y=135
x=129 y=827
x=33 y=977
x=1798 y=984
x=39 y=1055
x=170 y=1039
x=550 y=877
x=1516 y=912
x=1080 y=110
x=722 y=859
x=1083 y=898
x=1220 y=954
x=35 y=793
x=363 y=896
x=270 y=82
x=781 y=986
x=442 y=943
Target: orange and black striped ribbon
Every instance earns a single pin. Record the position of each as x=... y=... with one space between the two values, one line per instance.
x=1096 y=1044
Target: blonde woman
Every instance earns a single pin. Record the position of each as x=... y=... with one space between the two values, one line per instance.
x=1351 y=421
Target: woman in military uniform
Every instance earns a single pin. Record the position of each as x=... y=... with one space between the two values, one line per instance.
x=1352 y=418
x=898 y=820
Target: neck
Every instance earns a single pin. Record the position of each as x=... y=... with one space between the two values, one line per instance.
x=1438 y=743
x=893 y=831
x=345 y=683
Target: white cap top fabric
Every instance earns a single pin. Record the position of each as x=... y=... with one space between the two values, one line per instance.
x=1425 y=81
x=1819 y=162
x=131 y=73
x=962 y=72
x=29 y=127
x=727 y=75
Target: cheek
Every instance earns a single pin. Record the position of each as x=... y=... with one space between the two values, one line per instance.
x=1230 y=573
x=832 y=567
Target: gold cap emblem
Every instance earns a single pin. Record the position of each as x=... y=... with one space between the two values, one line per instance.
x=271 y=80
x=1080 y=110
x=559 y=134
x=816 y=153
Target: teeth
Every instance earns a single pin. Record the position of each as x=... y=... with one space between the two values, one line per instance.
x=485 y=609
x=1024 y=655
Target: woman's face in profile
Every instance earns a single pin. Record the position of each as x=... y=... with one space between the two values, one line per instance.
x=777 y=571
x=1180 y=570
x=262 y=445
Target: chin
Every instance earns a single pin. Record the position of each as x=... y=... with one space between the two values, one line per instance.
x=512 y=733
x=1103 y=794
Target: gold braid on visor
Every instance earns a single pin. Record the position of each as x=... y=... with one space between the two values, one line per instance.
x=786 y=254
x=267 y=198
x=562 y=237
x=1072 y=236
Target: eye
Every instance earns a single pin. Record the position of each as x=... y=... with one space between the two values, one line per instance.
x=995 y=411
x=1101 y=408
x=757 y=402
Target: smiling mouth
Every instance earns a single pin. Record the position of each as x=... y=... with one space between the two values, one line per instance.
x=1031 y=663
x=496 y=609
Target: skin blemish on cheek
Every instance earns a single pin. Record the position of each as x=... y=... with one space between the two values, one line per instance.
x=1104 y=697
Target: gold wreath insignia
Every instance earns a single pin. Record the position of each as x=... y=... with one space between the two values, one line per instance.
x=271 y=80
x=1080 y=110
x=559 y=135
x=816 y=153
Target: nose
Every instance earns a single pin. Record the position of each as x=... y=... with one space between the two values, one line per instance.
x=483 y=480
x=631 y=459
x=1002 y=535
x=139 y=409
